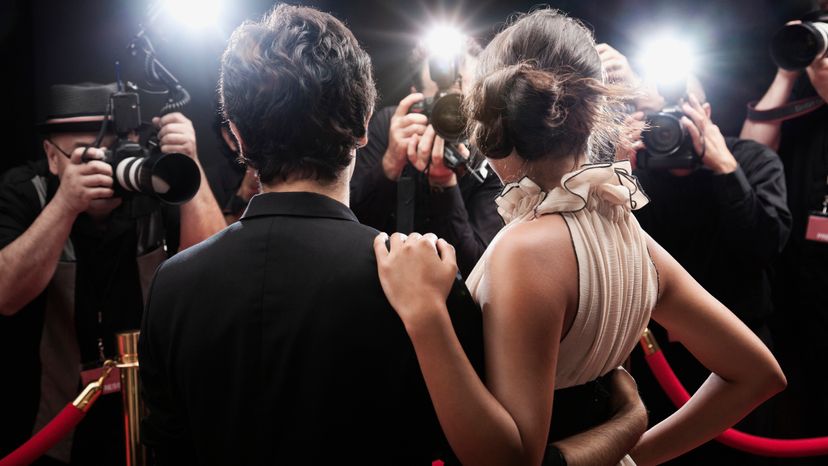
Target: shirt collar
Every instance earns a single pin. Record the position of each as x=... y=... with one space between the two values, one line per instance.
x=297 y=204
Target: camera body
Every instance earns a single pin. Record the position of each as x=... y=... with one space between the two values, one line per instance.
x=172 y=178
x=668 y=143
x=445 y=114
x=796 y=46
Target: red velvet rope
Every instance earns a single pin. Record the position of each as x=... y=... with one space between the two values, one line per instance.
x=46 y=438
x=781 y=448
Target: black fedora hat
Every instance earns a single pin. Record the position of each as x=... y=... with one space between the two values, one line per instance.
x=76 y=108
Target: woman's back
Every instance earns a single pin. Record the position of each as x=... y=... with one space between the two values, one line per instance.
x=617 y=284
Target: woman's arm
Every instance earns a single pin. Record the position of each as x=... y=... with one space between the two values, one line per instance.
x=745 y=373
x=508 y=422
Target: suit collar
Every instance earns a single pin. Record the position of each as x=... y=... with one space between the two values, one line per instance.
x=297 y=204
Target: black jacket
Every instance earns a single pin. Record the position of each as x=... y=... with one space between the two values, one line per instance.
x=726 y=230
x=272 y=343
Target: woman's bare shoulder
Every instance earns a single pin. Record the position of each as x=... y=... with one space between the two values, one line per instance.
x=538 y=257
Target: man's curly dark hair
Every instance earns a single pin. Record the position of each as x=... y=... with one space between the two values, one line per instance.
x=299 y=89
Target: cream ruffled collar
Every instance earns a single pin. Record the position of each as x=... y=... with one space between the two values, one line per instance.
x=610 y=184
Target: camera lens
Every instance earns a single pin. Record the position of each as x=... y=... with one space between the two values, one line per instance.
x=447 y=118
x=797 y=45
x=665 y=134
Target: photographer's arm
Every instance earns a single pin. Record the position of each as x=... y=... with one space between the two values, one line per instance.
x=29 y=261
x=201 y=216
x=768 y=132
x=751 y=194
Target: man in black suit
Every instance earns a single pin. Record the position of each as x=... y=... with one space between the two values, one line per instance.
x=272 y=342
x=273 y=339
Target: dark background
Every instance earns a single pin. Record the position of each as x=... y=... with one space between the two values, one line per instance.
x=46 y=42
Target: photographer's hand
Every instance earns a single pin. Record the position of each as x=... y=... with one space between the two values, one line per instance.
x=176 y=134
x=404 y=127
x=82 y=183
x=201 y=216
x=430 y=146
x=619 y=71
x=707 y=138
x=29 y=261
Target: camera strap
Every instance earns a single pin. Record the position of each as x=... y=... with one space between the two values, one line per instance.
x=789 y=111
x=406 y=198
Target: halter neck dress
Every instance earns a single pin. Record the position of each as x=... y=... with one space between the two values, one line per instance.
x=618 y=282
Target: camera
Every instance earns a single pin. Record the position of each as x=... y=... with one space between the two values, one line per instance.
x=796 y=46
x=172 y=178
x=667 y=141
x=445 y=114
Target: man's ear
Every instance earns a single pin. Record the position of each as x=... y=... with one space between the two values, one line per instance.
x=228 y=139
x=237 y=135
x=52 y=155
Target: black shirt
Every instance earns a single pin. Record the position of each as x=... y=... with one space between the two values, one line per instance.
x=106 y=280
x=464 y=215
x=802 y=271
x=273 y=343
x=726 y=230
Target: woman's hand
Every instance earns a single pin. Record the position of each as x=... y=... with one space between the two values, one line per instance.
x=416 y=273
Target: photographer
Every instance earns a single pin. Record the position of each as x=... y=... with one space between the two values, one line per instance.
x=801 y=273
x=724 y=219
x=400 y=144
x=77 y=261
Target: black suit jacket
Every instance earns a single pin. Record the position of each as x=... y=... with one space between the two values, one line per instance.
x=272 y=343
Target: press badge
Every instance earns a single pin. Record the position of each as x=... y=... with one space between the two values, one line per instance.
x=818 y=224
x=112 y=383
x=817 y=227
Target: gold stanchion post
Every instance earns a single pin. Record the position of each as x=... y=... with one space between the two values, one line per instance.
x=128 y=365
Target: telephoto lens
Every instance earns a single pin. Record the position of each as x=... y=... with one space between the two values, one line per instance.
x=172 y=178
x=796 y=46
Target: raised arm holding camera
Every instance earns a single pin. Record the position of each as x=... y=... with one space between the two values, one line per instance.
x=718 y=205
x=402 y=180
x=78 y=250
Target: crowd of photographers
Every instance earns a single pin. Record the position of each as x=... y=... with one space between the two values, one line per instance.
x=744 y=215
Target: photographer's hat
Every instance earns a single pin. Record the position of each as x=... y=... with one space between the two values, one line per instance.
x=77 y=108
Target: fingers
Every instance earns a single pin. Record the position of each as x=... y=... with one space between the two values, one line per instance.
x=174 y=117
x=437 y=150
x=407 y=102
x=380 y=248
x=100 y=193
x=412 y=119
x=697 y=117
x=424 y=148
x=410 y=130
x=97 y=181
x=175 y=128
x=175 y=138
x=695 y=134
x=464 y=151
x=92 y=153
x=397 y=240
x=431 y=238
x=175 y=149
x=446 y=251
